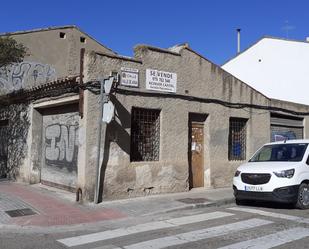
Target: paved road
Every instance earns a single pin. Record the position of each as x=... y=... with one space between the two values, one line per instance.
x=227 y=227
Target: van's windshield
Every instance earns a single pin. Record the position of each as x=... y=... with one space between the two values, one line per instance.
x=280 y=152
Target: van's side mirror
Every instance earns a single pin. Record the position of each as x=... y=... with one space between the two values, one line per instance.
x=307 y=162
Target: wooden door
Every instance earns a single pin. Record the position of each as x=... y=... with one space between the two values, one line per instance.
x=3 y=149
x=196 y=173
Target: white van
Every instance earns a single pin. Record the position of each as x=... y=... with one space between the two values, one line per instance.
x=277 y=172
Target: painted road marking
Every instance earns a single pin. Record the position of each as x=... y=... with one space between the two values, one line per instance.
x=272 y=240
x=271 y=214
x=111 y=234
x=108 y=247
x=197 y=218
x=207 y=233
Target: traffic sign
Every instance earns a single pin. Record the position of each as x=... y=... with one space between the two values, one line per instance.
x=108 y=84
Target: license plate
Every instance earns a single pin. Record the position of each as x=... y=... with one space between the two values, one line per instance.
x=254 y=188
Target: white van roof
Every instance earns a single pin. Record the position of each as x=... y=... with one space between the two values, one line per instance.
x=293 y=141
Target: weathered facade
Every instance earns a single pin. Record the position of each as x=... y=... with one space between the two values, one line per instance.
x=52 y=54
x=207 y=102
x=180 y=122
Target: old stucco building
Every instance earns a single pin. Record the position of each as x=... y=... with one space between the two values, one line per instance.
x=203 y=127
x=180 y=122
x=53 y=54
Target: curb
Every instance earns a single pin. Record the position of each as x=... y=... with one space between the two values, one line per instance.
x=77 y=227
x=218 y=203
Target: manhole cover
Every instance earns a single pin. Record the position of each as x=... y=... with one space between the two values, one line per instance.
x=20 y=212
x=193 y=200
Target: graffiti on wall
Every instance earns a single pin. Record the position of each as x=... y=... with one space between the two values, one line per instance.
x=17 y=76
x=61 y=142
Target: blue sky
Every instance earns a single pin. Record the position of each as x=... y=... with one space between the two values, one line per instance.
x=208 y=26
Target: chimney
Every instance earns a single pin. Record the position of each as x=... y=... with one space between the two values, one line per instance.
x=238 y=40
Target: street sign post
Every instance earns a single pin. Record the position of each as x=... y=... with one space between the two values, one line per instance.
x=105 y=87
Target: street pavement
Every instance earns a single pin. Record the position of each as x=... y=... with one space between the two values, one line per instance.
x=221 y=228
x=195 y=219
x=42 y=207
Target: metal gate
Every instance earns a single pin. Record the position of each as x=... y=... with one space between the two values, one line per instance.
x=60 y=146
x=284 y=127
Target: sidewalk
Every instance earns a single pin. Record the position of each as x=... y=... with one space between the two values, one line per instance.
x=40 y=206
x=156 y=204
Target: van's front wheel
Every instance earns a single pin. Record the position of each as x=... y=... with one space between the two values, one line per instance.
x=303 y=196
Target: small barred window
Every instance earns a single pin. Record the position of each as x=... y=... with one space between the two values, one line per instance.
x=237 y=139
x=145 y=135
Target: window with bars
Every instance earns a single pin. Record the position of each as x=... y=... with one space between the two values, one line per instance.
x=237 y=139
x=145 y=134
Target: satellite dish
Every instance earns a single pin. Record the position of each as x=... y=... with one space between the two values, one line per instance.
x=108 y=112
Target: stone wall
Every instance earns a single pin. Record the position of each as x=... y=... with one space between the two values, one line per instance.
x=18 y=123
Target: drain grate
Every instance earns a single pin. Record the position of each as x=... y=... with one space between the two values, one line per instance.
x=20 y=212
x=193 y=200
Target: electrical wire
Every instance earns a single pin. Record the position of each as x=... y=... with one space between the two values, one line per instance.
x=211 y=101
x=23 y=96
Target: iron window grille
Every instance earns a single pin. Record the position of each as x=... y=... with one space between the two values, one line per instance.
x=237 y=139
x=145 y=134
